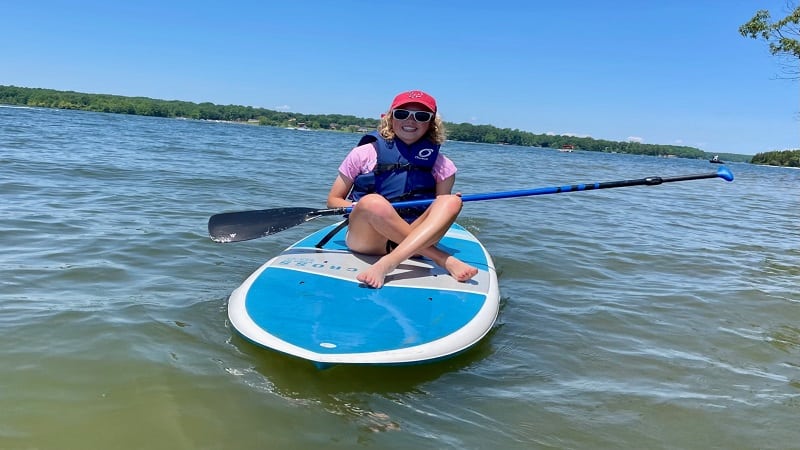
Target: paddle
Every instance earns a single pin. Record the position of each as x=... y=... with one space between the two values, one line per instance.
x=245 y=225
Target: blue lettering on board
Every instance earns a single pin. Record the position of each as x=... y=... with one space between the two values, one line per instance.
x=308 y=262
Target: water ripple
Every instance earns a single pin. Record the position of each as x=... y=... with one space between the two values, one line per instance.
x=644 y=317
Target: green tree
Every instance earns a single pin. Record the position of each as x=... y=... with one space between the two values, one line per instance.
x=786 y=158
x=782 y=36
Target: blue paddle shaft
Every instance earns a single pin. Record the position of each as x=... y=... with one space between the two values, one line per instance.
x=723 y=172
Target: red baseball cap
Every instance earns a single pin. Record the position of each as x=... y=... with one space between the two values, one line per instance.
x=420 y=97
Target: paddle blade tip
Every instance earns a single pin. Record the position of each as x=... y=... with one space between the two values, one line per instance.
x=725 y=173
x=223 y=239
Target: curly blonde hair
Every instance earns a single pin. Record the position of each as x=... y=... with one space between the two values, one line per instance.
x=435 y=134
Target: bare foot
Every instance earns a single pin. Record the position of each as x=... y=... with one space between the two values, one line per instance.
x=459 y=270
x=375 y=275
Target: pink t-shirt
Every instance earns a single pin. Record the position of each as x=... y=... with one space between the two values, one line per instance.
x=363 y=159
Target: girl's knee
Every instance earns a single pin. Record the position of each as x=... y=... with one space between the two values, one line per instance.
x=451 y=203
x=375 y=204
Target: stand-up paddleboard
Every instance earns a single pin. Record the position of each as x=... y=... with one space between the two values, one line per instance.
x=306 y=302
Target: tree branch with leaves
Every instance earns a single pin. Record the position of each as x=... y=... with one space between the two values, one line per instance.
x=782 y=36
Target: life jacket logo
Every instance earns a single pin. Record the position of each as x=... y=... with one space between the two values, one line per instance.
x=424 y=154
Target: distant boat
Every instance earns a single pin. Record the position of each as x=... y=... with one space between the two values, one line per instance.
x=716 y=160
x=567 y=148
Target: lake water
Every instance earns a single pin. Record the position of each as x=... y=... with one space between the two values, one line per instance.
x=641 y=317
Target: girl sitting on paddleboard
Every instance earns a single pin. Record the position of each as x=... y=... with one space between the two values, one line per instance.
x=400 y=162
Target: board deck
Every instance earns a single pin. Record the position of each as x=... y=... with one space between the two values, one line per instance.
x=306 y=302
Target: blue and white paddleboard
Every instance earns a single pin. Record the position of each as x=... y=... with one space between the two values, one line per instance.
x=306 y=302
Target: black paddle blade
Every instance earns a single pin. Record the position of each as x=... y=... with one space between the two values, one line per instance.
x=246 y=225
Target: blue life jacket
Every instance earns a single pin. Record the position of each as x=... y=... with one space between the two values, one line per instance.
x=403 y=172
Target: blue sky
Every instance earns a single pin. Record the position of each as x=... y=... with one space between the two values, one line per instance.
x=671 y=72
